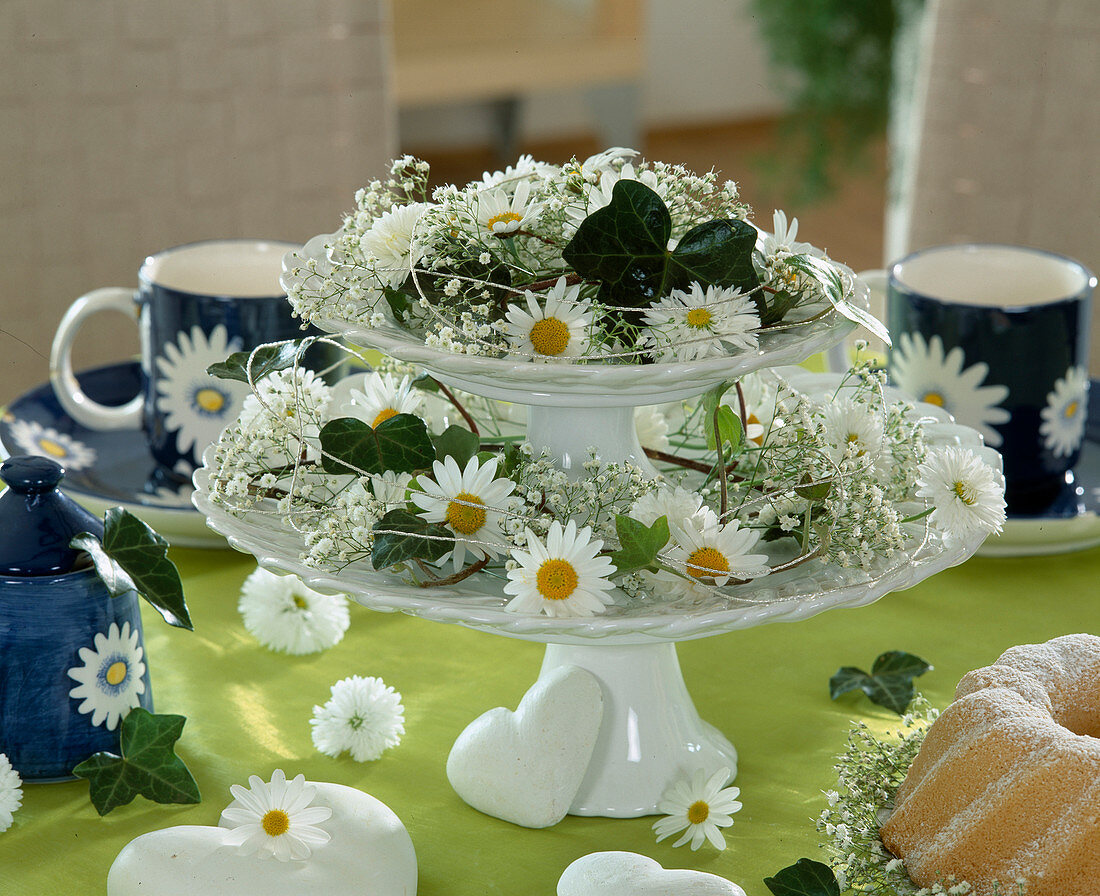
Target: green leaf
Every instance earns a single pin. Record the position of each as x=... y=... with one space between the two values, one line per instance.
x=804 y=878
x=638 y=542
x=132 y=557
x=397 y=300
x=267 y=360
x=814 y=492
x=147 y=765
x=729 y=428
x=457 y=442
x=717 y=253
x=400 y=536
x=402 y=444
x=890 y=683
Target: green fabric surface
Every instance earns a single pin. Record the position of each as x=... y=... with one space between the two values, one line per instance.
x=766 y=688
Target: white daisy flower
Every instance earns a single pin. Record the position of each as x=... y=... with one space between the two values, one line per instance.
x=502 y=211
x=194 y=403
x=276 y=819
x=967 y=494
x=1063 y=424
x=469 y=502
x=698 y=808
x=558 y=329
x=924 y=371
x=686 y=326
x=651 y=425
x=283 y=614
x=390 y=242
x=364 y=717
x=525 y=166
x=563 y=577
x=601 y=175
x=853 y=423
x=677 y=504
x=708 y=554
x=287 y=403
x=780 y=243
x=382 y=396
x=111 y=677
x=390 y=488
x=11 y=792
x=32 y=437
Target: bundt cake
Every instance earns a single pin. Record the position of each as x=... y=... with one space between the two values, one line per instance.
x=1006 y=786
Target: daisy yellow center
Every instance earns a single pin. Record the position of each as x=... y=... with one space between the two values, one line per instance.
x=116 y=674
x=503 y=218
x=210 y=400
x=549 y=336
x=933 y=398
x=707 y=562
x=466 y=513
x=53 y=449
x=964 y=492
x=556 y=579
x=698 y=812
x=1071 y=410
x=275 y=822
x=383 y=416
x=699 y=318
x=300 y=602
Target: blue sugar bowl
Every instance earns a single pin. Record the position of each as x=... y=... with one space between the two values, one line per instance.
x=72 y=657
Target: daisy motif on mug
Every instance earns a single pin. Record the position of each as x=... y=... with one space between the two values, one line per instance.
x=110 y=681
x=33 y=438
x=929 y=374
x=194 y=403
x=1063 y=424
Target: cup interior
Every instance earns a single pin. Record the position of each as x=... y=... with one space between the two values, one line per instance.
x=225 y=268
x=991 y=276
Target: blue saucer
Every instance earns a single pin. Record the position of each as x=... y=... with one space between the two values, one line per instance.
x=106 y=468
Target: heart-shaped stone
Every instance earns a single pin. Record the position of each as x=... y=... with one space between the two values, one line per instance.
x=526 y=766
x=370 y=852
x=629 y=874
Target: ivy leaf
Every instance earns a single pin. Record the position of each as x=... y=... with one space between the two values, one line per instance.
x=148 y=765
x=890 y=683
x=717 y=253
x=804 y=878
x=400 y=536
x=639 y=542
x=132 y=557
x=457 y=442
x=268 y=360
x=402 y=444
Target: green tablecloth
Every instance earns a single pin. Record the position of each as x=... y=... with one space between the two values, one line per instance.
x=766 y=688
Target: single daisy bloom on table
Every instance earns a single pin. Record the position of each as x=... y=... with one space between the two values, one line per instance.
x=698 y=807
x=390 y=242
x=928 y=373
x=1063 y=424
x=502 y=211
x=283 y=614
x=364 y=717
x=32 y=437
x=110 y=679
x=700 y=323
x=11 y=792
x=562 y=576
x=557 y=329
x=276 y=818
x=382 y=396
x=469 y=502
x=195 y=404
x=709 y=554
x=855 y=424
x=966 y=493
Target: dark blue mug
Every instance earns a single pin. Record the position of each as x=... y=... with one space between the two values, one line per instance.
x=999 y=337
x=195 y=305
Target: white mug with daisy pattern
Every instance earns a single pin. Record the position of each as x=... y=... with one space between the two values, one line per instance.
x=998 y=336
x=195 y=305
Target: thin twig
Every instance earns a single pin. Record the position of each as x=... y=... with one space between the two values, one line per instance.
x=458 y=576
x=458 y=406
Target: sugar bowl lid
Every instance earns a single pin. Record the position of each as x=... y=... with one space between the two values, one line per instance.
x=37 y=521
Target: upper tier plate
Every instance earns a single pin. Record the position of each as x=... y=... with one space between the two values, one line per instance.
x=593 y=385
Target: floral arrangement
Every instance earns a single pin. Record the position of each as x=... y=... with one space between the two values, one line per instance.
x=611 y=259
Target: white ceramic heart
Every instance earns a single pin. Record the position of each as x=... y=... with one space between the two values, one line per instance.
x=630 y=874
x=526 y=766
x=370 y=852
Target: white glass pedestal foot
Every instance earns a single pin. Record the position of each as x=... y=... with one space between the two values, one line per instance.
x=651 y=732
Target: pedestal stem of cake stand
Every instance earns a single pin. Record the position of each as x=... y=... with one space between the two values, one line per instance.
x=568 y=432
x=651 y=732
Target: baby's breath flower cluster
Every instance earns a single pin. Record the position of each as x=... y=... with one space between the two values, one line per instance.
x=558 y=263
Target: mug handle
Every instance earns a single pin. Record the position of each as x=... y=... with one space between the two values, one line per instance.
x=65 y=386
x=837 y=358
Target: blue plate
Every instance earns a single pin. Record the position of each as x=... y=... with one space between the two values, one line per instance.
x=107 y=468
